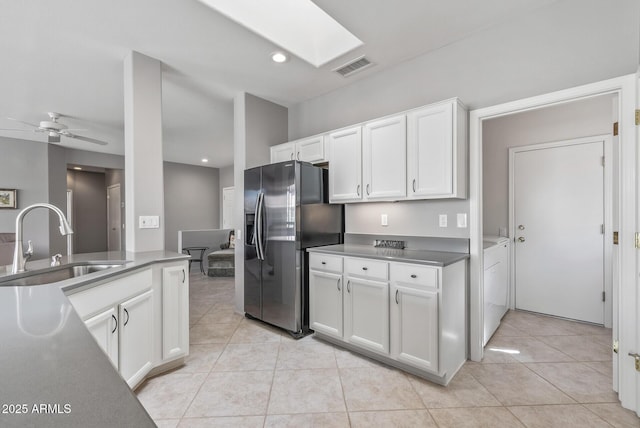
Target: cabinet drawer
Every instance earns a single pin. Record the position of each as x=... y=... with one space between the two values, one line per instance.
x=110 y=292
x=325 y=262
x=419 y=275
x=366 y=268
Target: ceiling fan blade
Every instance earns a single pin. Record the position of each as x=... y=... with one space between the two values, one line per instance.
x=16 y=129
x=22 y=121
x=87 y=139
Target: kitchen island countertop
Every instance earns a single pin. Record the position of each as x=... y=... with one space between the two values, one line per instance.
x=54 y=374
x=425 y=257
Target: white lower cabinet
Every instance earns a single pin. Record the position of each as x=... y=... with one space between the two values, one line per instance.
x=325 y=302
x=412 y=316
x=104 y=328
x=175 y=312
x=411 y=308
x=366 y=314
x=136 y=337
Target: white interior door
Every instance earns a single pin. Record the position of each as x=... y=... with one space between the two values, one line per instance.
x=114 y=219
x=228 y=196
x=558 y=230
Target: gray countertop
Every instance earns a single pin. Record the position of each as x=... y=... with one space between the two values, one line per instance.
x=425 y=257
x=52 y=368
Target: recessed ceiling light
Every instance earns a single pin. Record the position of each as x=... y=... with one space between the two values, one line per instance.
x=205 y=160
x=77 y=168
x=279 y=57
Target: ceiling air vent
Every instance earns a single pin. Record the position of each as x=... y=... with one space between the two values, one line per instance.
x=354 y=66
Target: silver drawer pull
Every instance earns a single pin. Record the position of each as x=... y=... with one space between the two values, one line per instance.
x=324 y=263
x=365 y=268
x=397 y=303
x=414 y=276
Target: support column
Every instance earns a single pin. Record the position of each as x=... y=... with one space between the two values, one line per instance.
x=144 y=185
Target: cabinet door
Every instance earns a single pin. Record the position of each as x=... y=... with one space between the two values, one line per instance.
x=345 y=165
x=384 y=161
x=175 y=312
x=325 y=303
x=414 y=327
x=282 y=152
x=136 y=337
x=104 y=328
x=366 y=314
x=310 y=149
x=430 y=151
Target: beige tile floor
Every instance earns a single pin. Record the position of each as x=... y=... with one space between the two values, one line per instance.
x=538 y=372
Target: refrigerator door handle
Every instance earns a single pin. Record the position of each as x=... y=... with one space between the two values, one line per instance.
x=258 y=226
x=255 y=221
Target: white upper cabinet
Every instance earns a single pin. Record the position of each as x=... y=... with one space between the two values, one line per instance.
x=384 y=159
x=310 y=149
x=345 y=165
x=436 y=151
x=282 y=152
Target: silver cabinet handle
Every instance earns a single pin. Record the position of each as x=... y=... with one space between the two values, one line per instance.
x=414 y=276
x=184 y=276
x=365 y=268
x=324 y=263
x=414 y=185
x=127 y=313
x=368 y=189
x=115 y=320
x=339 y=279
x=298 y=156
x=358 y=190
x=348 y=288
x=397 y=302
x=291 y=157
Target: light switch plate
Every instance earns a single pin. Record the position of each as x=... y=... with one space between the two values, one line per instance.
x=149 y=222
x=462 y=220
x=384 y=220
x=442 y=220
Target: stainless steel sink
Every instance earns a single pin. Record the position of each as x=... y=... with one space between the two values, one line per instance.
x=58 y=273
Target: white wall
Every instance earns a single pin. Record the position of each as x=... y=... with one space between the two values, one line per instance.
x=192 y=200
x=563 y=122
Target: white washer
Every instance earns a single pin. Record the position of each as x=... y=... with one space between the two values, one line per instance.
x=496 y=283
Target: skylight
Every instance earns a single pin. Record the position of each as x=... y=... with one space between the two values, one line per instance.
x=298 y=26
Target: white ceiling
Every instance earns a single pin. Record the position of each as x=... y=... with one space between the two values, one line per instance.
x=67 y=56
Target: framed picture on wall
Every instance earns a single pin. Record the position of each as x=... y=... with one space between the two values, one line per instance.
x=8 y=198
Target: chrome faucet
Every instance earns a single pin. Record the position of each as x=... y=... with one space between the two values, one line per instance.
x=19 y=260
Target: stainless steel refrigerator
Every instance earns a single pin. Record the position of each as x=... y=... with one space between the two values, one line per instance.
x=286 y=210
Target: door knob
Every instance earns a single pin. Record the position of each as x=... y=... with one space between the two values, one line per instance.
x=521 y=227
x=521 y=239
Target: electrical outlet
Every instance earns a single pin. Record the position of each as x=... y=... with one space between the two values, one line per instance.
x=442 y=220
x=149 y=222
x=384 y=220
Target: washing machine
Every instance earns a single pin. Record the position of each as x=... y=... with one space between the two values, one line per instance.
x=496 y=283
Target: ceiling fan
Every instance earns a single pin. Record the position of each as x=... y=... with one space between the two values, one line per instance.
x=55 y=130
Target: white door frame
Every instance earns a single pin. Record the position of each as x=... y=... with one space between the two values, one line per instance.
x=608 y=213
x=625 y=88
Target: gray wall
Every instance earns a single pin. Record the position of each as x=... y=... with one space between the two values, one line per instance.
x=266 y=125
x=57 y=196
x=506 y=62
x=563 y=122
x=89 y=210
x=24 y=166
x=101 y=160
x=192 y=200
x=257 y=125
